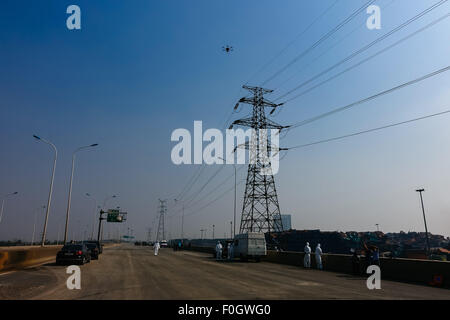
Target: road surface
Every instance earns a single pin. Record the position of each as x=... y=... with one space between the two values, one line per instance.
x=131 y=272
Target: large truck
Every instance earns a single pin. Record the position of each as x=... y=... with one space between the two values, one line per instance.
x=250 y=245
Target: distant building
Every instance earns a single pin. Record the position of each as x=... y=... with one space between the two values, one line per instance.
x=286 y=220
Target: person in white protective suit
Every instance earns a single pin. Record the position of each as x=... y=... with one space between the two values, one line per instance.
x=230 y=251
x=156 y=247
x=218 y=251
x=307 y=259
x=319 y=257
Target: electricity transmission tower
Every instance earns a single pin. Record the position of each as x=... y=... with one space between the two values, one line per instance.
x=260 y=211
x=162 y=211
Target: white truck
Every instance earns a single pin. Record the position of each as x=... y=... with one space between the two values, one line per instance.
x=250 y=245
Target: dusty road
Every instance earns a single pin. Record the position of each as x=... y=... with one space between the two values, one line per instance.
x=129 y=272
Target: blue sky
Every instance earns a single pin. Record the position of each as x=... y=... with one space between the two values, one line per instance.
x=138 y=70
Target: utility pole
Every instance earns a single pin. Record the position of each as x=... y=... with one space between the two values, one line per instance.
x=231 y=230
x=234 y=206
x=34 y=226
x=3 y=203
x=44 y=232
x=261 y=210
x=66 y=233
x=182 y=219
x=162 y=212
x=213 y=231
x=99 y=235
x=424 y=220
x=202 y=230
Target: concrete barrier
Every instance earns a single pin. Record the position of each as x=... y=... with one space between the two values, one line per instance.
x=22 y=257
x=407 y=270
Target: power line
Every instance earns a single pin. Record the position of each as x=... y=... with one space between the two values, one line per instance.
x=293 y=41
x=370 y=130
x=371 y=57
x=214 y=189
x=403 y=85
x=213 y=201
x=322 y=39
x=326 y=51
x=204 y=185
x=361 y=50
x=191 y=179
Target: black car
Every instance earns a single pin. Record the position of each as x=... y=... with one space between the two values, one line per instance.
x=93 y=249
x=99 y=245
x=73 y=253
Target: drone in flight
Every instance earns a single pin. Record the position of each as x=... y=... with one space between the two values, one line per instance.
x=227 y=48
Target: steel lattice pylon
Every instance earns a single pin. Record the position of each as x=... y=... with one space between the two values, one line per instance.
x=260 y=210
x=162 y=211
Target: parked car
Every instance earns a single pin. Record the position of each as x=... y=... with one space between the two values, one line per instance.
x=73 y=253
x=93 y=250
x=99 y=245
x=250 y=245
x=163 y=243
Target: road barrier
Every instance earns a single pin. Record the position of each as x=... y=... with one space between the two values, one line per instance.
x=22 y=257
x=398 y=269
x=12 y=258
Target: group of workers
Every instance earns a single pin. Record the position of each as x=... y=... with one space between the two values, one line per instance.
x=372 y=257
x=219 y=249
x=178 y=246
x=307 y=258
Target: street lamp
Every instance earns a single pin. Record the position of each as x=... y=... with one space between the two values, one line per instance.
x=424 y=219
x=182 y=219
x=95 y=211
x=51 y=186
x=70 y=187
x=234 y=209
x=34 y=226
x=3 y=203
x=108 y=198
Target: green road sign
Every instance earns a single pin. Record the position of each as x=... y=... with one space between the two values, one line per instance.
x=115 y=215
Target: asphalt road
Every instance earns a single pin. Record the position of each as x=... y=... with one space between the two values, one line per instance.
x=129 y=272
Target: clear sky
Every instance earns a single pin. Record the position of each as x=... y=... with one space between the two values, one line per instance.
x=137 y=70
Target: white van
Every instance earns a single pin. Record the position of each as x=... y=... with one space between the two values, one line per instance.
x=250 y=245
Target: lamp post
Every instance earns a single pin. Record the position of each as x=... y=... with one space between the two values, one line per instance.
x=3 y=203
x=51 y=186
x=424 y=220
x=95 y=211
x=234 y=208
x=34 y=226
x=231 y=231
x=108 y=198
x=182 y=219
x=70 y=187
